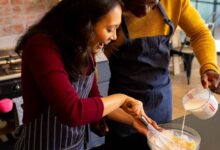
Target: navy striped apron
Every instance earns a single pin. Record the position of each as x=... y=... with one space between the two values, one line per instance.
x=140 y=69
x=48 y=133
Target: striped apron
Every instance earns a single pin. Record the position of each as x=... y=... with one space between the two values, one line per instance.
x=47 y=133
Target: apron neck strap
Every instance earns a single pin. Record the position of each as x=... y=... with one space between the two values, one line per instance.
x=92 y=62
x=166 y=19
x=125 y=29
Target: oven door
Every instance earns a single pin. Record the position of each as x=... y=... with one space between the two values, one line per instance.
x=10 y=88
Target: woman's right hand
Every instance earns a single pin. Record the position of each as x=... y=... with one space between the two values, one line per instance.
x=133 y=107
x=128 y=104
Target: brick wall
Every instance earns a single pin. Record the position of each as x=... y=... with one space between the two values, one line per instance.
x=17 y=15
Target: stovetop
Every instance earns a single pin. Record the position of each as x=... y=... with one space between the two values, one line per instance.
x=10 y=68
x=10 y=65
x=5 y=76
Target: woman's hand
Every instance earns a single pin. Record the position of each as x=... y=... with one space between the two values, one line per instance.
x=142 y=128
x=128 y=104
x=210 y=79
x=133 y=107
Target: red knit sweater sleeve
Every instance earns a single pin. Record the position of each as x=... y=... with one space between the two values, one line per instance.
x=42 y=59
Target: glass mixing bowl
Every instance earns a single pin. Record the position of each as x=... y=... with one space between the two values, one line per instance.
x=190 y=137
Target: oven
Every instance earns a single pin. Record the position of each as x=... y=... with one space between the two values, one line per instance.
x=10 y=72
x=10 y=68
x=10 y=87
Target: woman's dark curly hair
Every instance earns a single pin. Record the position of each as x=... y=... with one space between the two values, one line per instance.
x=71 y=25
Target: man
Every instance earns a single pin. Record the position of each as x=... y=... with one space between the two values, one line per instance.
x=139 y=60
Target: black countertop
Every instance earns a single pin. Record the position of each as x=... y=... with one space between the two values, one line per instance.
x=209 y=130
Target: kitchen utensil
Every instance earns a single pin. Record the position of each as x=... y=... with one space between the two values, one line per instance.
x=201 y=102
x=189 y=139
x=163 y=141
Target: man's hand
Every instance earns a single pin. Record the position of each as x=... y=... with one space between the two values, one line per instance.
x=142 y=128
x=100 y=127
x=210 y=79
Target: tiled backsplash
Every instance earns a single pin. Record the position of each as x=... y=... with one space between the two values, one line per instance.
x=17 y=15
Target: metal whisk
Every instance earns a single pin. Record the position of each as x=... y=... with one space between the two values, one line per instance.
x=164 y=140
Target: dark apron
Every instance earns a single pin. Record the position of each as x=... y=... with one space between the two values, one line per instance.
x=140 y=69
x=47 y=133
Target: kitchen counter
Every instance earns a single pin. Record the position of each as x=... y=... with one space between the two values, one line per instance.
x=209 y=130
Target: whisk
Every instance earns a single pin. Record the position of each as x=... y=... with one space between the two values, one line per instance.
x=163 y=141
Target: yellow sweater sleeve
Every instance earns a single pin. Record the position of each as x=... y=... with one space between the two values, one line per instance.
x=201 y=38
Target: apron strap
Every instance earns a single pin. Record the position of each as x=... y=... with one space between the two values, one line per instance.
x=166 y=19
x=92 y=63
x=125 y=29
x=86 y=137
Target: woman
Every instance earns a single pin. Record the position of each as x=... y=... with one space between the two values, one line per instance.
x=59 y=87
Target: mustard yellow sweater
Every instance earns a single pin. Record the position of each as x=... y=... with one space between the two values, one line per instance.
x=181 y=13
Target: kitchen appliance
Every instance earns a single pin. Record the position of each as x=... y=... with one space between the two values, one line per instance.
x=189 y=139
x=201 y=102
x=161 y=138
x=10 y=83
x=10 y=72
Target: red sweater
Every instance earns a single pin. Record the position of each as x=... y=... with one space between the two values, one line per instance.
x=45 y=82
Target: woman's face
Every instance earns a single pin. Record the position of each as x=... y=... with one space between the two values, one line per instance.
x=140 y=7
x=105 y=29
